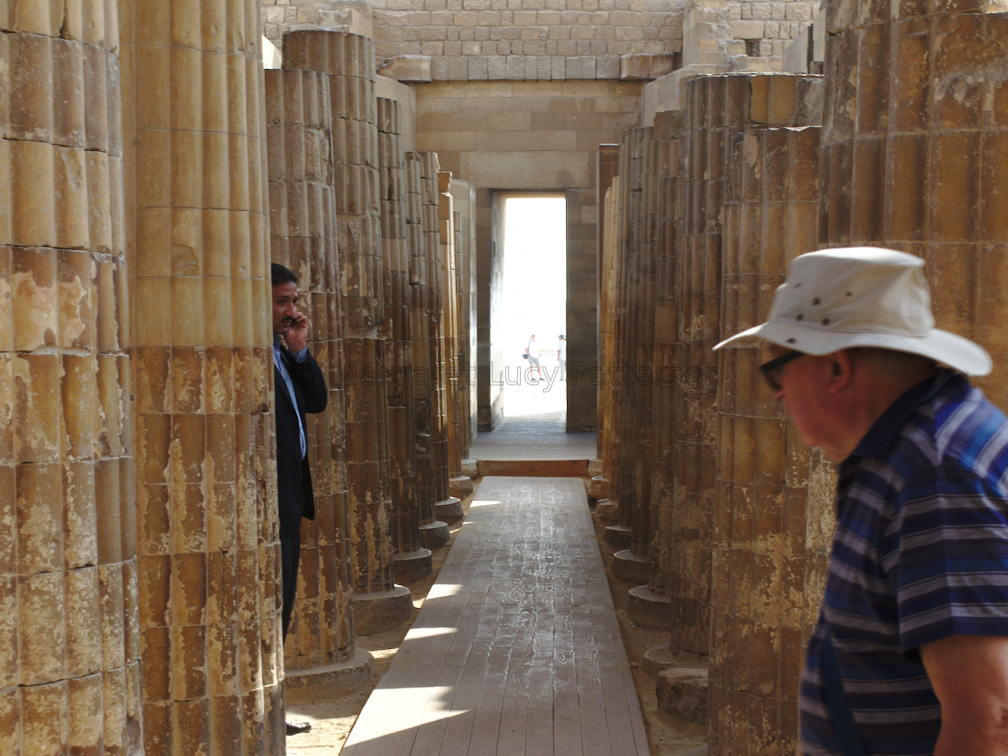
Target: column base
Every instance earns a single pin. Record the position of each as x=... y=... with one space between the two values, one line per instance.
x=682 y=692
x=449 y=510
x=628 y=566
x=304 y=685
x=618 y=536
x=598 y=487
x=411 y=566
x=435 y=534
x=607 y=510
x=379 y=611
x=595 y=467
x=460 y=486
x=649 y=609
x=470 y=467
x=657 y=659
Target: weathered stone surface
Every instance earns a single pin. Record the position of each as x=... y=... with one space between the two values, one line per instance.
x=682 y=691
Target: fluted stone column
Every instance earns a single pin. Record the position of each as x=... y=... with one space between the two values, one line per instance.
x=761 y=554
x=649 y=604
x=320 y=645
x=413 y=560
x=69 y=635
x=608 y=436
x=447 y=508
x=669 y=139
x=620 y=504
x=459 y=485
x=348 y=60
x=915 y=151
x=209 y=568
x=720 y=111
x=423 y=384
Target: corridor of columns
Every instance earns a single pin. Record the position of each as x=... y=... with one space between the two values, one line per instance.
x=151 y=169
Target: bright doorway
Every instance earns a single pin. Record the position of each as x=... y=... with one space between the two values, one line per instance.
x=534 y=302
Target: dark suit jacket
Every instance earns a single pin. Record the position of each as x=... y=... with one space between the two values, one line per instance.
x=294 y=488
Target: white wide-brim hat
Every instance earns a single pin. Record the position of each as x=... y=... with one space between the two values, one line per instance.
x=862 y=297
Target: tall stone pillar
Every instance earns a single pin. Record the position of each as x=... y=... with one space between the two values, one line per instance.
x=669 y=133
x=447 y=508
x=69 y=637
x=348 y=60
x=423 y=384
x=649 y=604
x=619 y=506
x=196 y=227
x=608 y=438
x=413 y=560
x=721 y=110
x=761 y=554
x=451 y=337
x=915 y=146
x=303 y=238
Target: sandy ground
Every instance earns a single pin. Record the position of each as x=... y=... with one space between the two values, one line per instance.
x=333 y=717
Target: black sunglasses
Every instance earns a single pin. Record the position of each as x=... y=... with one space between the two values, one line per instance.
x=771 y=368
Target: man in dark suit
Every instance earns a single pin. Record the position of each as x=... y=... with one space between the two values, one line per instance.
x=300 y=388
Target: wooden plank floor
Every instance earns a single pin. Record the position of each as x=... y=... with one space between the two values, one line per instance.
x=516 y=649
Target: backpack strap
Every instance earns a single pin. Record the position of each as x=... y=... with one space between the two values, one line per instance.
x=836 y=699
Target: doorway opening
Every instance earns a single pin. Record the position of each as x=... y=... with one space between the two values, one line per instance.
x=534 y=299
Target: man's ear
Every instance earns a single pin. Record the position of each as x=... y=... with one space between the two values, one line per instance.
x=840 y=365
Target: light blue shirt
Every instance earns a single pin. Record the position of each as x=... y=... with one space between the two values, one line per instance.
x=278 y=361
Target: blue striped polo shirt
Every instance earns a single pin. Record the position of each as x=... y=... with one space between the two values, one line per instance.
x=920 y=553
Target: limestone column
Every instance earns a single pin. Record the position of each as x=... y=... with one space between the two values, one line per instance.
x=620 y=504
x=915 y=146
x=196 y=228
x=669 y=133
x=648 y=604
x=459 y=485
x=608 y=438
x=69 y=638
x=423 y=386
x=303 y=238
x=348 y=60
x=413 y=559
x=761 y=555
x=446 y=507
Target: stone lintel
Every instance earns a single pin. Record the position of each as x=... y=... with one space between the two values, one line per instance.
x=382 y=610
x=646 y=66
x=406 y=67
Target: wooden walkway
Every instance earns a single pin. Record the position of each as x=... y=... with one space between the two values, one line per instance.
x=516 y=649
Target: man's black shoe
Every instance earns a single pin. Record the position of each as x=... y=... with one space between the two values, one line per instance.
x=296 y=728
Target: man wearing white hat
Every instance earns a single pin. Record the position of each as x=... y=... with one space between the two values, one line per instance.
x=910 y=653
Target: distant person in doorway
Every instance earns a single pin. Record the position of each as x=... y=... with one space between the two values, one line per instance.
x=562 y=356
x=532 y=351
x=299 y=387
x=910 y=652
